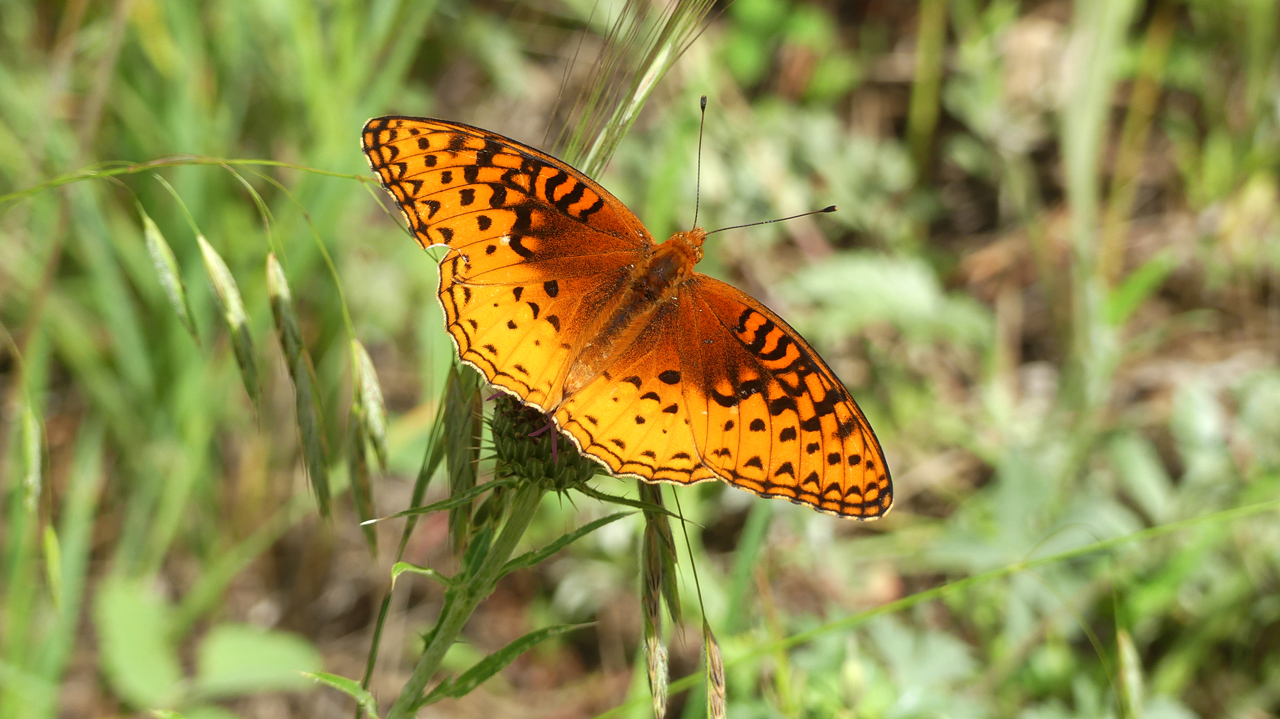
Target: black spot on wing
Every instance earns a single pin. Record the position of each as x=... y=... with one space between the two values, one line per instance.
x=517 y=244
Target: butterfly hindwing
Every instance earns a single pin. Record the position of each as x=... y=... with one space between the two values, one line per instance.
x=633 y=416
x=771 y=417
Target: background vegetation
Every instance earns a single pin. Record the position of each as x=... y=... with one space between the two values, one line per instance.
x=1051 y=285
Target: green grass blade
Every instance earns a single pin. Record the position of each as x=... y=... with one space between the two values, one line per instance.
x=463 y=425
x=361 y=482
x=349 y=687
x=533 y=558
x=454 y=501
x=496 y=662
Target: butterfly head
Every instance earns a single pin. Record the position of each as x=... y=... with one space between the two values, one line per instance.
x=688 y=244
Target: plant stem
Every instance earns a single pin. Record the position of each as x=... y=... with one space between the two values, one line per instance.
x=461 y=601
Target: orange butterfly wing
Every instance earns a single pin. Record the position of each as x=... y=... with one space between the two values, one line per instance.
x=716 y=385
x=634 y=416
x=773 y=418
x=533 y=243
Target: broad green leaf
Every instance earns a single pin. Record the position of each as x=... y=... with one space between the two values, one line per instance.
x=529 y=559
x=169 y=273
x=231 y=305
x=237 y=659
x=494 y=663
x=134 y=648
x=1143 y=475
x=350 y=687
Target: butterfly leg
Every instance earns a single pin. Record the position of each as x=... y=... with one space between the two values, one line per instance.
x=555 y=437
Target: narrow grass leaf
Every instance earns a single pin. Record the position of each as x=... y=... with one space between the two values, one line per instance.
x=1138 y=287
x=495 y=662
x=374 y=409
x=431 y=461
x=53 y=565
x=529 y=559
x=462 y=429
x=624 y=501
x=233 y=313
x=350 y=687
x=477 y=551
x=169 y=273
x=1131 y=689
x=449 y=503
x=714 y=674
x=361 y=482
x=401 y=567
x=305 y=388
x=32 y=458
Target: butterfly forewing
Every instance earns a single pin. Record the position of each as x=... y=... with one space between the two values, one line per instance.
x=531 y=242
x=454 y=181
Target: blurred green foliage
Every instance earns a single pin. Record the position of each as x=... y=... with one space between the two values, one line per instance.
x=1054 y=296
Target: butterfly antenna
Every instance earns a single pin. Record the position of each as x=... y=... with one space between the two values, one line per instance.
x=832 y=208
x=697 y=191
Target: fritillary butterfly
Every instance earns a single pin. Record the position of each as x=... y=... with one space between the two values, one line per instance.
x=555 y=291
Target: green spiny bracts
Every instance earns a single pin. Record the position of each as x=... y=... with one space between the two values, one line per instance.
x=531 y=458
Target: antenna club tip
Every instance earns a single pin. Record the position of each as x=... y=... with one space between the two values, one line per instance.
x=831 y=208
x=704 y=102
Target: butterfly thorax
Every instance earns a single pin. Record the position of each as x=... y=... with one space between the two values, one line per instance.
x=654 y=284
